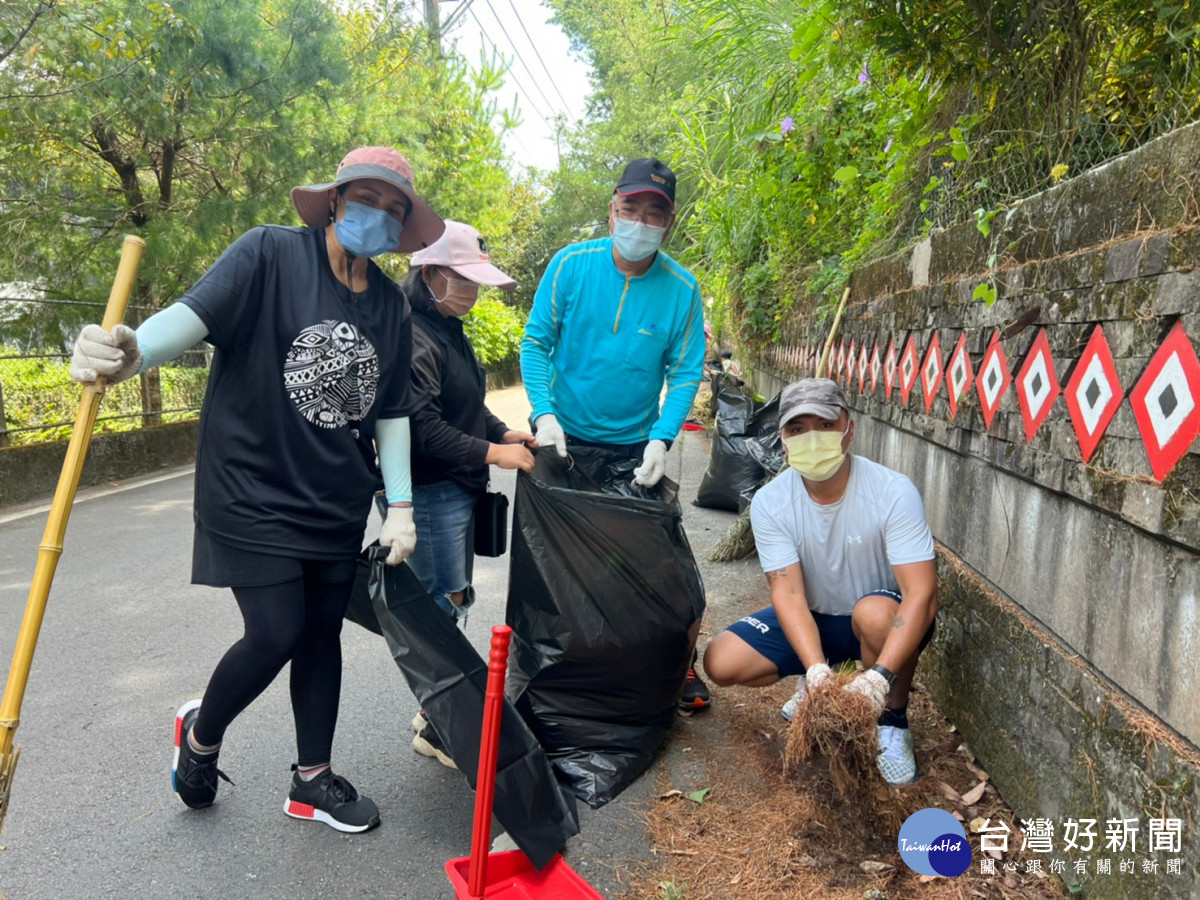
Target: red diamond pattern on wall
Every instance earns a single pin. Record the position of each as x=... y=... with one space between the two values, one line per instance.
x=875 y=367
x=1165 y=404
x=889 y=369
x=1093 y=393
x=959 y=375
x=994 y=379
x=1037 y=385
x=931 y=372
x=841 y=361
x=848 y=372
x=908 y=369
x=862 y=367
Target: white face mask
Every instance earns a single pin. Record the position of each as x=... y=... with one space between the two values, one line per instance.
x=636 y=240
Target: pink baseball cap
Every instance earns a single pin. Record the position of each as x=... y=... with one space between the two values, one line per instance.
x=422 y=226
x=463 y=249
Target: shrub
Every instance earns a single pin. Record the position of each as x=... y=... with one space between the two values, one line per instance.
x=495 y=331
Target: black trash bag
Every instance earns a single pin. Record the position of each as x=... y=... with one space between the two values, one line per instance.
x=449 y=679
x=742 y=454
x=765 y=447
x=603 y=596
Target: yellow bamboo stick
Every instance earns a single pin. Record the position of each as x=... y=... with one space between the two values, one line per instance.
x=820 y=373
x=56 y=525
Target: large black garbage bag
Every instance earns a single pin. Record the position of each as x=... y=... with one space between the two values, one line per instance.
x=765 y=447
x=449 y=679
x=746 y=449
x=603 y=595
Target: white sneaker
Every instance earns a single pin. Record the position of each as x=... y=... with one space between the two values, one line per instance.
x=896 y=762
x=789 y=708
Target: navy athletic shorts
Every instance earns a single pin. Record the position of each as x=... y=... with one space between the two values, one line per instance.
x=762 y=631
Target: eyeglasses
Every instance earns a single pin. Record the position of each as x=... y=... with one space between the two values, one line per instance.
x=655 y=218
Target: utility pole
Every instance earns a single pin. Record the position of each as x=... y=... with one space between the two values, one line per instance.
x=434 y=25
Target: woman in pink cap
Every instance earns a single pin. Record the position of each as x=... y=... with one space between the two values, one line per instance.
x=311 y=377
x=455 y=436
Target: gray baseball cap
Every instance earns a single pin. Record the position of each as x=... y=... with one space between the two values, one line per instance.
x=813 y=397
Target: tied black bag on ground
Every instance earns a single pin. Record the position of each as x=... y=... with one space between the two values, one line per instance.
x=449 y=679
x=605 y=601
x=491 y=524
x=745 y=450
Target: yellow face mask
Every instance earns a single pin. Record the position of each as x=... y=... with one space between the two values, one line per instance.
x=816 y=455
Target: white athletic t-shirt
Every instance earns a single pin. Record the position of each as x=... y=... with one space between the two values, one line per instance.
x=846 y=550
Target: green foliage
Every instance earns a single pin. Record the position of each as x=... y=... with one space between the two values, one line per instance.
x=40 y=392
x=810 y=137
x=495 y=331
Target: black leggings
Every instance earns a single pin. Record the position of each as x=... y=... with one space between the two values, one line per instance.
x=301 y=621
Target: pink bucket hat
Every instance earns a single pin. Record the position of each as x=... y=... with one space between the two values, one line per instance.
x=422 y=226
x=462 y=249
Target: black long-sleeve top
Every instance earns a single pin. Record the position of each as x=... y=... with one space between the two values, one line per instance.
x=453 y=428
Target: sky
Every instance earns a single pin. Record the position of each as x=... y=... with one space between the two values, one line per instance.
x=534 y=48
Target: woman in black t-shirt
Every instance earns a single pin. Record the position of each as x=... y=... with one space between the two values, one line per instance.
x=312 y=364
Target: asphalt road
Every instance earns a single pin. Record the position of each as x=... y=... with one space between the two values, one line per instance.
x=127 y=639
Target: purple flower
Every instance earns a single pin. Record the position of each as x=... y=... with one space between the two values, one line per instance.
x=787 y=125
x=865 y=75
x=887 y=146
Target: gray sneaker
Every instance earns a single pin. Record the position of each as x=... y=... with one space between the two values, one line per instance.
x=896 y=761
x=789 y=708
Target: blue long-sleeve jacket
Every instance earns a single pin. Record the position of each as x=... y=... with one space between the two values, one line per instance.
x=599 y=345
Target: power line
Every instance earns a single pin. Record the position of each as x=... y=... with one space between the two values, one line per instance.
x=508 y=70
x=521 y=59
x=545 y=68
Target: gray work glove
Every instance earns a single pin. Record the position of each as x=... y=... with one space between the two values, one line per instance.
x=98 y=353
x=654 y=465
x=550 y=433
x=398 y=532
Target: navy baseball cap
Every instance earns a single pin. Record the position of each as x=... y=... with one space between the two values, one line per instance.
x=643 y=175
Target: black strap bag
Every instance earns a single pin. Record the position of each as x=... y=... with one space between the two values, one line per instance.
x=491 y=524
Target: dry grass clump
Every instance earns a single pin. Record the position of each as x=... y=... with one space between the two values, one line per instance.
x=840 y=727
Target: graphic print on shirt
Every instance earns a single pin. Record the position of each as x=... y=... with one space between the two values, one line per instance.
x=331 y=373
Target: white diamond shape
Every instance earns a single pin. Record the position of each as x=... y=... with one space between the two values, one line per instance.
x=931 y=370
x=958 y=375
x=1171 y=376
x=1037 y=399
x=1093 y=374
x=993 y=378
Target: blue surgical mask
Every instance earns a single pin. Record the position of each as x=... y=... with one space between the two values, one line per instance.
x=367 y=231
x=636 y=240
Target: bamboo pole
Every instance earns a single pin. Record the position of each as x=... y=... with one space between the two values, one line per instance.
x=837 y=320
x=56 y=525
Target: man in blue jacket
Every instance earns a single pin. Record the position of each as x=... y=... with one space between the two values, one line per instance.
x=614 y=320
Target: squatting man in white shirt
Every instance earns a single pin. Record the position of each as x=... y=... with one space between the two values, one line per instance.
x=849 y=560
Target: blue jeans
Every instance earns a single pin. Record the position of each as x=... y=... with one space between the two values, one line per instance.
x=444 y=513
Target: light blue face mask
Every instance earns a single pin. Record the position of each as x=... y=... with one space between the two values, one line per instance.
x=366 y=231
x=636 y=240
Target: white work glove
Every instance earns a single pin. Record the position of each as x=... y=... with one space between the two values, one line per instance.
x=399 y=533
x=115 y=356
x=809 y=681
x=815 y=675
x=654 y=465
x=550 y=433
x=871 y=685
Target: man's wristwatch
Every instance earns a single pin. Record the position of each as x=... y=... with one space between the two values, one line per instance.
x=888 y=675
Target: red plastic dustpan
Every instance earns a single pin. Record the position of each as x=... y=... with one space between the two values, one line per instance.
x=508 y=875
